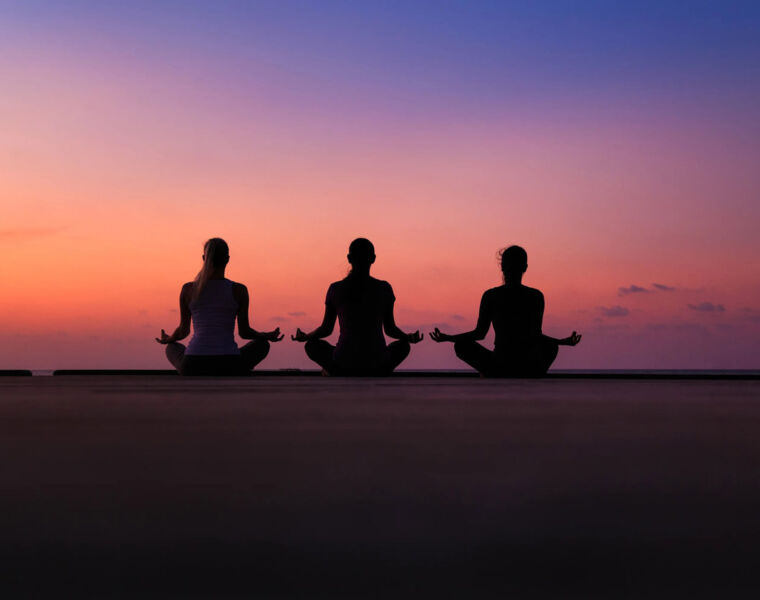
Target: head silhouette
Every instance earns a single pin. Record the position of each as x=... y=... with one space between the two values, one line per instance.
x=216 y=255
x=361 y=254
x=514 y=262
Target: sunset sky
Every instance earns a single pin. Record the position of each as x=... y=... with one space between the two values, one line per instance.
x=620 y=145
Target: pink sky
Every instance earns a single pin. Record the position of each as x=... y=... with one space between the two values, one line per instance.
x=114 y=169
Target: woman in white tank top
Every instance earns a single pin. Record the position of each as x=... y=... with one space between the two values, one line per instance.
x=212 y=303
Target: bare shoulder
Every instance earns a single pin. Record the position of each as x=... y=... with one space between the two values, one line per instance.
x=538 y=295
x=384 y=288
x=239 y=291
x=536 y=292
x=187 y=288
x=493 y=292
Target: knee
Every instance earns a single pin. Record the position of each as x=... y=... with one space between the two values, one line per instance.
x=258 y=347
x=401 y=349
x=550 y=354
x=311 y=347
x=460 y=348
x=173 y=350
x=175 y=353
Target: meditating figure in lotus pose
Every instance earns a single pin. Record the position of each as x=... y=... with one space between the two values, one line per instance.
x=363 y=306
x=212 y=303
x=516 y=311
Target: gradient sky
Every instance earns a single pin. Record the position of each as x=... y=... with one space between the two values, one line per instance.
x=620 y=145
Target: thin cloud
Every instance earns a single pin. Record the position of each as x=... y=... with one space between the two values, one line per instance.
x=637 y=289
x=457 y=317
x=707 y=307
x=279 y=319
x=632 y=289
x=613 y=311
x=297 y=313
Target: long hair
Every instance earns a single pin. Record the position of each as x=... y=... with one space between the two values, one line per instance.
x=216 y=253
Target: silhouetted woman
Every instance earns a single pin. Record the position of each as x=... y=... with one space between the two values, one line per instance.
x=516 y=311
x=213 y=303
x=364 y=307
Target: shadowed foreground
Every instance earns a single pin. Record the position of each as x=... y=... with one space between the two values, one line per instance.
x=304 y=487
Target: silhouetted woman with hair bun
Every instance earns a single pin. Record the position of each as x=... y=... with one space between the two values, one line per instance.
x=516 y=311
x=364 y=307
x=213 y=302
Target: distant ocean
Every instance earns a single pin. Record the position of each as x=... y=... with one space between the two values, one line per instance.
x=581 y=373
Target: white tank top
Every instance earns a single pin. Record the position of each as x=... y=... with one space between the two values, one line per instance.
x=213 y=315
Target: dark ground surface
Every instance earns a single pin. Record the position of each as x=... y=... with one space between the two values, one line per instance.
x=315 y=487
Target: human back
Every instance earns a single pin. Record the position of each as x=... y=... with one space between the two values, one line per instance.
x=361 y=303
x=516 y=313
x=213 y=314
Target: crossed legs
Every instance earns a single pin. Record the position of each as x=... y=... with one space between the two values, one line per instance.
x=321 y=352
x=253 y=353
x=250 y=355
x=533 y=362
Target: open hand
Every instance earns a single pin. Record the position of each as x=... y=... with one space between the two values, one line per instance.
x=164 y=339
x=273 y=336
x=573 y=339
x=415 y=337
x=438 y=336
x=300 y=336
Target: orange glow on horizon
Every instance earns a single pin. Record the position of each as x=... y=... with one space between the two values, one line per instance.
x=112 y=174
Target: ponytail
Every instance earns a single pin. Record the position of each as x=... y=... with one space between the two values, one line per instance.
x=216 y=253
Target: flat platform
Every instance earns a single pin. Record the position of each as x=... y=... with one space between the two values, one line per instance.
x=153 y=486
x=660 y=374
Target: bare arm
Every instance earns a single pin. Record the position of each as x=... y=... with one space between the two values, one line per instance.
x=571 y=340
x=480 y=331
x=324 y=330
x=393 y=331
x=245 y=330
x=183 y=329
